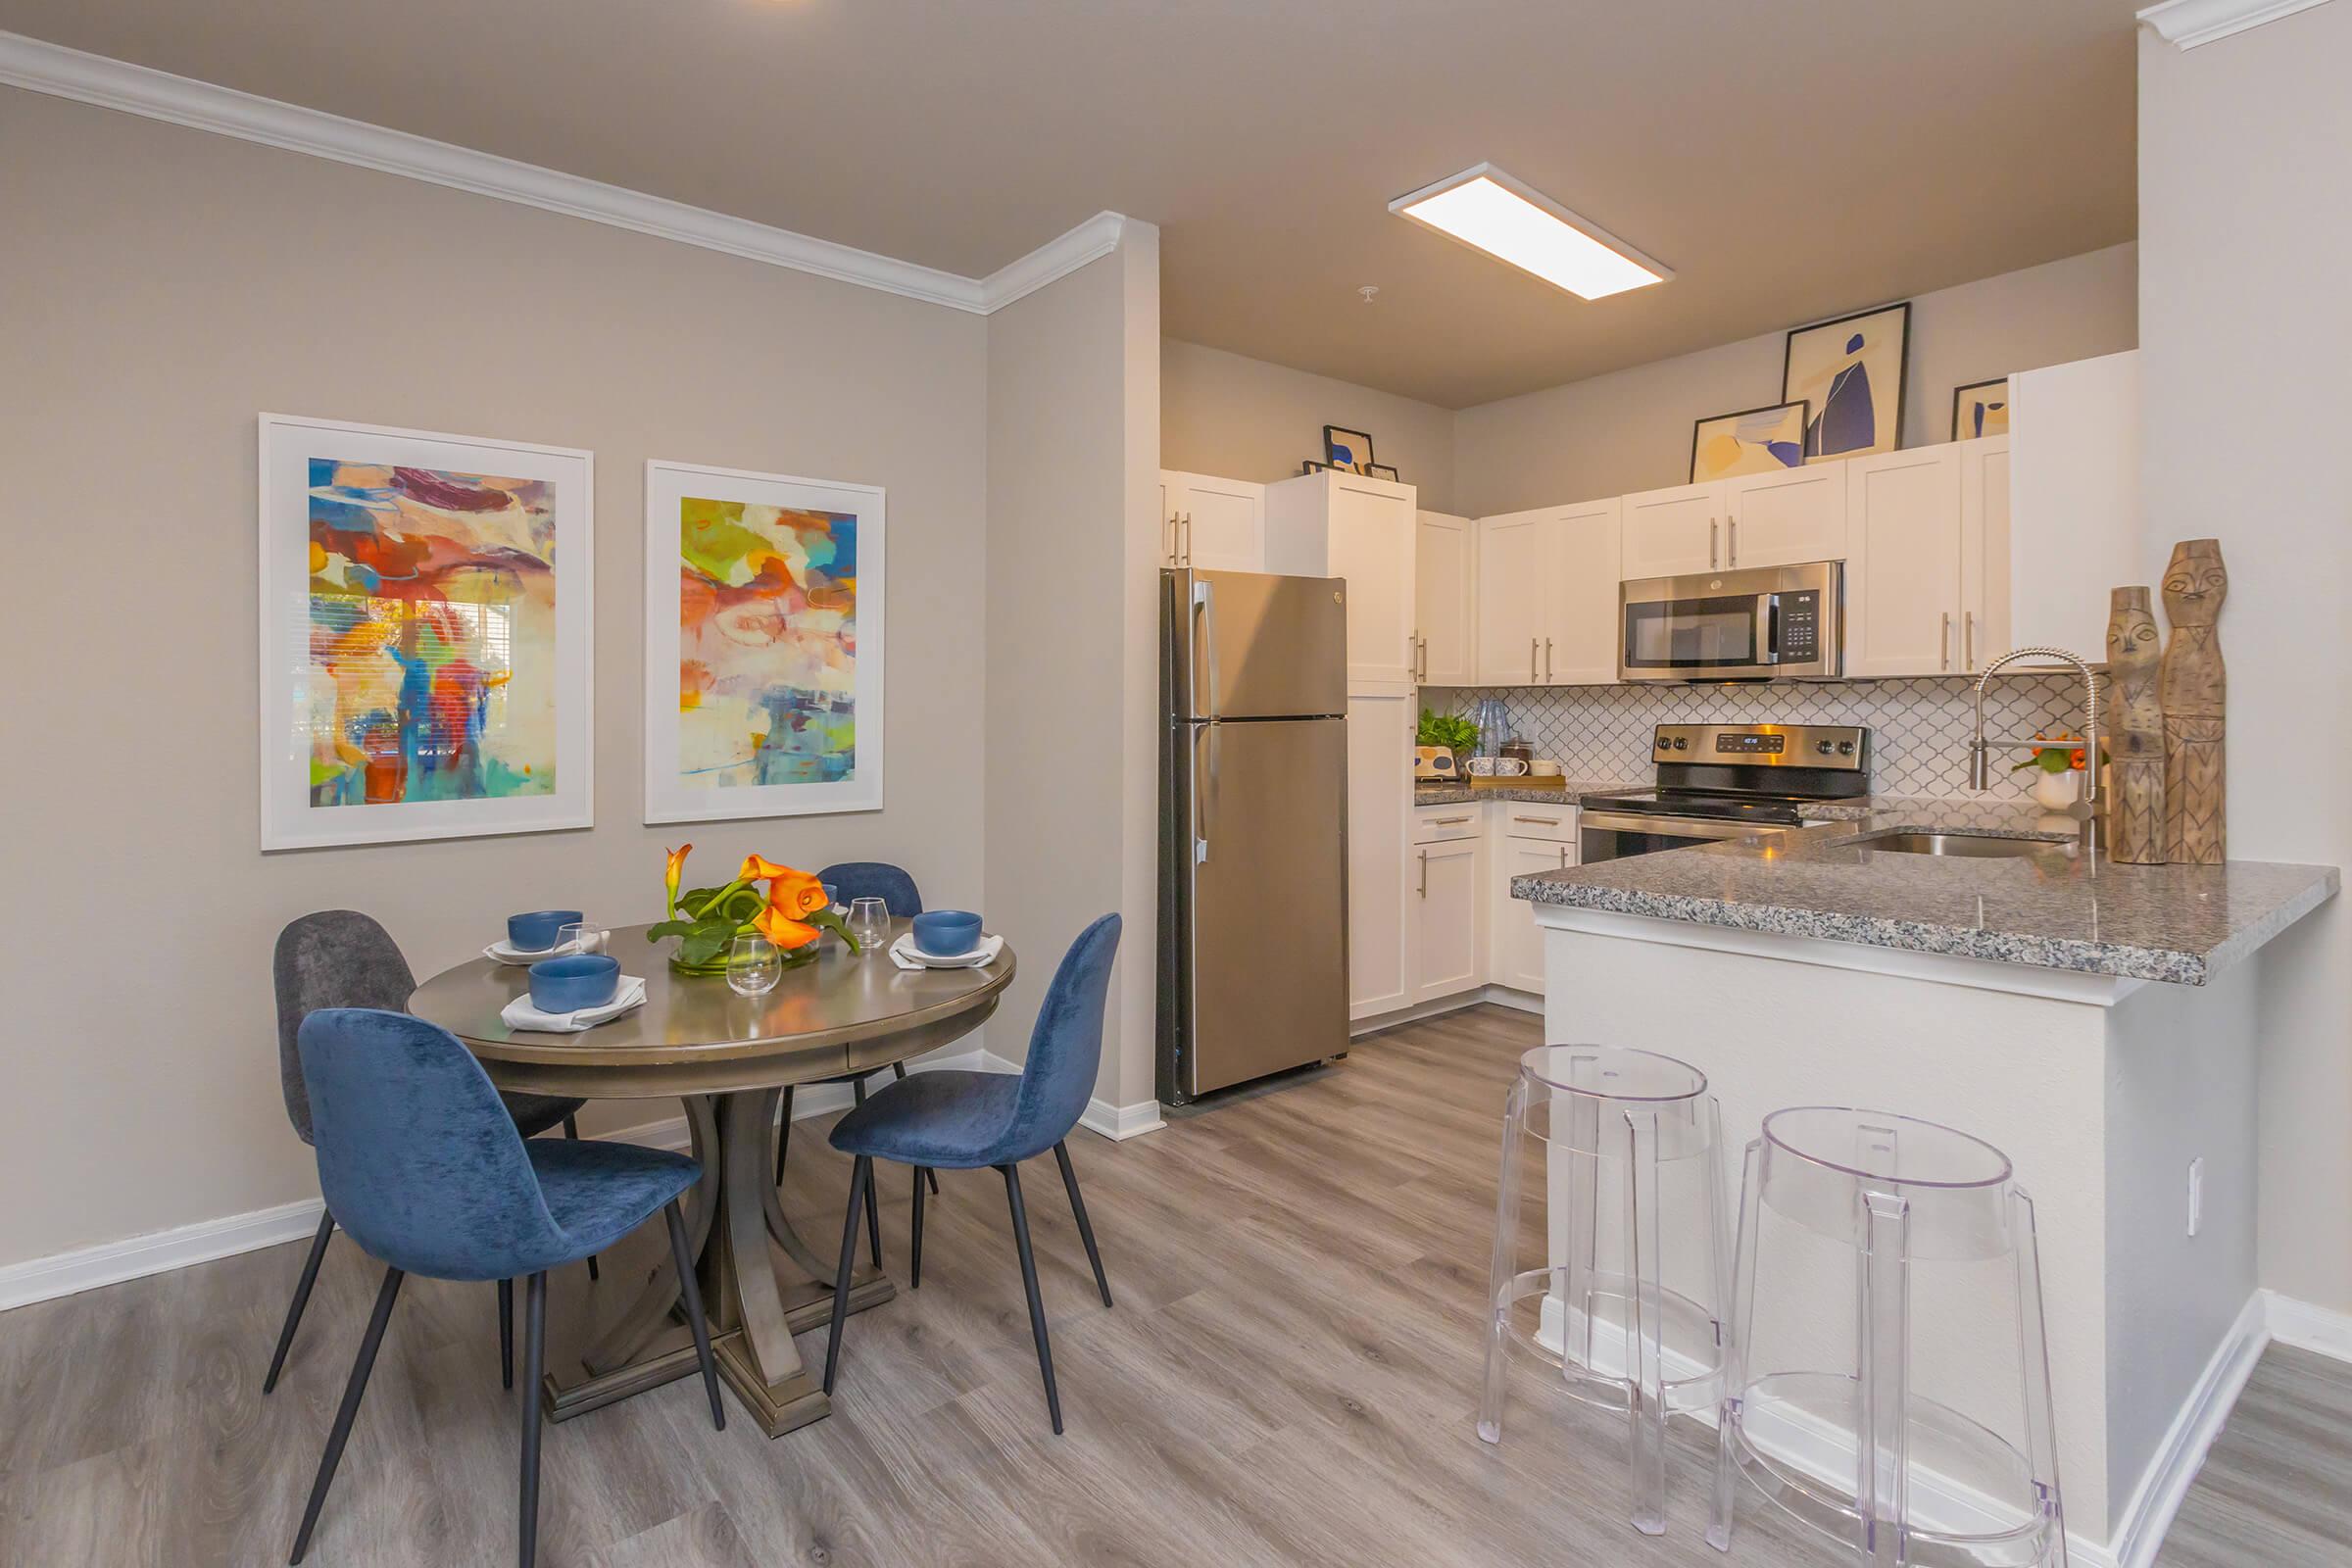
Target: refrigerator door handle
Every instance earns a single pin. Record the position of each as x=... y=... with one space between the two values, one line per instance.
x=1201 y=787
x=1204 y=617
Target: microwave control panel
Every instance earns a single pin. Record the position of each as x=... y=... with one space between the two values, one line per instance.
x=1799 y=640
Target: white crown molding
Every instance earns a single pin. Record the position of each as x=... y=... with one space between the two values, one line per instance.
x=1090 y=240
x=52 y=69
x=2186 y=24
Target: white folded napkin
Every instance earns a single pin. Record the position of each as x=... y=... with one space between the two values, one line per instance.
x=521 y=1014
x=907 y=956
x=505 y=951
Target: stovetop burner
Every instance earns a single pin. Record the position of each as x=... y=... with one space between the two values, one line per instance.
x=1759 y=773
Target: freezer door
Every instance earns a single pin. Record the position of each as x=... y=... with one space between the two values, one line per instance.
x=1249 y=645
x=1269 y=898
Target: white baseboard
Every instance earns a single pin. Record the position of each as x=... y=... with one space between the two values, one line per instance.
x=1942 y=1504
x=85 y=1268
x=2307 y=1327
x=1121 y=1122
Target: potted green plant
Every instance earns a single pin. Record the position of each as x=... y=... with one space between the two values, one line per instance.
x=1451 y=731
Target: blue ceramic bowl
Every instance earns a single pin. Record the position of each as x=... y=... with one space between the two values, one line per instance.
x=536 y=933
x=568 y=984
x=946 y=933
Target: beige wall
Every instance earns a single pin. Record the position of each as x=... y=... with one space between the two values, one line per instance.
x=2245 y=243
x=161 y=286
x=1631 y=430
x=1243 y=418
x=1072 y=435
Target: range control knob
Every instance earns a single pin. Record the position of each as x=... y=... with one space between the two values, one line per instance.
x=1846 y=748
x=1681 y=744
x=1823 y=746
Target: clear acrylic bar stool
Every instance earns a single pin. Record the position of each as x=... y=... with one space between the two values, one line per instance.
x=1627 y=1149
x=1908 y=1202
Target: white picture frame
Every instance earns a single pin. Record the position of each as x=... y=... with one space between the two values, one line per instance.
x=668 y=796
x=301 y=712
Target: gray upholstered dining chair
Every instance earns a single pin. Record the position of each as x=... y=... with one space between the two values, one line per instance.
x=850 y=880
x=966 y=1120
x=342 y=958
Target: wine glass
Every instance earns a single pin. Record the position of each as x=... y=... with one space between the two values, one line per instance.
x=870 y=923
x=580 y=936
x=754 y=965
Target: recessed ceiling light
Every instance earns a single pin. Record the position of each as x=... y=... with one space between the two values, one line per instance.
x=1487 y=210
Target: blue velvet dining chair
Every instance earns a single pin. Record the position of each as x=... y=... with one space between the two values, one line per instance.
x=966 y=1120
x=342 y=958
x=428 y=1172
x=852 y=880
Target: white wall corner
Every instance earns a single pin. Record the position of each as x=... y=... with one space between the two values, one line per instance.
x=1059 y=256
x=2186 y=24
x=2319 y=1328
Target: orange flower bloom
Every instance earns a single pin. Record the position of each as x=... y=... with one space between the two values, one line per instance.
x=783 y=930
x=796 y=894
x=757 y=869
x=2076 y=760
x=676 y=870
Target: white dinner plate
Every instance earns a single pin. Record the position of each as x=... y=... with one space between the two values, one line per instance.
x=988 y=949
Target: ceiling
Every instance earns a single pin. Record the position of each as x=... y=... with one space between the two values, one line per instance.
x=1788 y=162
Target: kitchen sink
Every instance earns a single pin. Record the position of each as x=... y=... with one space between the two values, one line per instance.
x=1961 y=845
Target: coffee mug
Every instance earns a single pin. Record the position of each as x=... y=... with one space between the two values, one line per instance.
x=1543 y=767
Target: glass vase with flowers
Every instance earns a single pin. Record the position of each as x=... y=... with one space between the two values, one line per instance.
x=787 y=906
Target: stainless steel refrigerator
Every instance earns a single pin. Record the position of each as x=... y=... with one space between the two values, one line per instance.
x=1254 y=827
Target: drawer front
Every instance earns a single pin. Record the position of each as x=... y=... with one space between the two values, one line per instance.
x=1531 y=819
x=1435 y=824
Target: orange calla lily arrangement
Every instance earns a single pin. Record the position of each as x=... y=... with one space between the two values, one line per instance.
x=793 y=912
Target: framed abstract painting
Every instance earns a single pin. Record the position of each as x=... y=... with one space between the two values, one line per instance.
x=425 y=636
x=1851 y=370
x=1348 y=450
x=1981 y=409
x=1750 y=441
x=764 y=640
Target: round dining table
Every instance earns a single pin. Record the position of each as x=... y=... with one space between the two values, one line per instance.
x=729 y=1059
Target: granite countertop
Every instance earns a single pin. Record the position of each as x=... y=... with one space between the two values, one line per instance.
x=2052 y=909
x=1428 y=793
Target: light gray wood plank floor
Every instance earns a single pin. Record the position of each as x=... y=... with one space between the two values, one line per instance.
x=1288 y=1378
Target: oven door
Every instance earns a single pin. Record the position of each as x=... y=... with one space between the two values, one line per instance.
x=1617 y=834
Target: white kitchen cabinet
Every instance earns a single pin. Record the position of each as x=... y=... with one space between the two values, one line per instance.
x=1672 y=532
x=1546 y=598
x=1349 y=526
x=1449 y=887
x=1514 y=946
x=1904 y=610
x=2073 y=513
x=1785 y=517
x=1380 y=869
x=1444 y=595
x=1212 y=523
x=1986 y=609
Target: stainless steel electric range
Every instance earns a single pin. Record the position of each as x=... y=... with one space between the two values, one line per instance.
x=1724 y=781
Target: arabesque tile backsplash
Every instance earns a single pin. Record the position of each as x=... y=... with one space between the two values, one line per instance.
x=1919 y=728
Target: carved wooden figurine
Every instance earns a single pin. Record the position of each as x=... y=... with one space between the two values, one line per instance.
x=2194 y=690
x=2136 y=822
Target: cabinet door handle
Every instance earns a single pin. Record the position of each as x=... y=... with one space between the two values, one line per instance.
x=1545 y=821
x=1713 y=529
x=1732 y=537
x=1531 y=660
x=1424 y=889
x=1563 y=857
x=1547 y=659
x=1170 y=551
x=1187 y=538
x=1447 y=821
x=1968 y=639
x=1944 y=640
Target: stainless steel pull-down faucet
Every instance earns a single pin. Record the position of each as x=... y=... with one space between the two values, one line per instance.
x=1980 y=748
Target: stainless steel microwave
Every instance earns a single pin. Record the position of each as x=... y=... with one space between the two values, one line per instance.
x=1767 y=623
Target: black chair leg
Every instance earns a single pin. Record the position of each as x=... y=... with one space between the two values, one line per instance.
x=571 y=1130
x=783 y=1134
x=916 y=1277
x=860 y=1177
x=535 y=1363
x=691 y=1288
x=1036 y=1304
x=1086 y=1231
x=348 y=1410
x=301 y=1299
x=505 y=1334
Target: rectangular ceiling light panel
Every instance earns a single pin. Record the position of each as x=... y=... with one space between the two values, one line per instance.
x=1487 y=210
